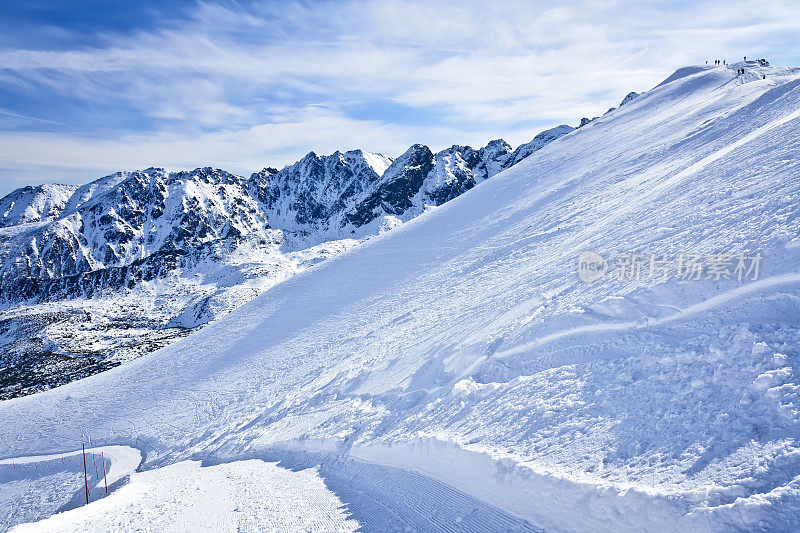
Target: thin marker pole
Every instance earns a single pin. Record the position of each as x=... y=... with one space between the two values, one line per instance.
x=85 y=477
x=104 y=471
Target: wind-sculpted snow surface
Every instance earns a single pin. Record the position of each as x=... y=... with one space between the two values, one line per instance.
x=463 y=345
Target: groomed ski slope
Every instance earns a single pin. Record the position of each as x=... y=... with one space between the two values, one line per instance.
x=462 y=346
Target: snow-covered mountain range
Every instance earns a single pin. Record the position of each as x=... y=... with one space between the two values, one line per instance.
x=458 y=372
x=91 y=276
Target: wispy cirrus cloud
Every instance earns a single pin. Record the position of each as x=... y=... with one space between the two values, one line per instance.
x=243 y=85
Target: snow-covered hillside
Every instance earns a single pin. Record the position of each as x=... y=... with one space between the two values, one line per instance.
x=464 y=348
x=91 y=277
x=34 y=204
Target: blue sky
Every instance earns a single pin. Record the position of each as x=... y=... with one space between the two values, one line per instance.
x=87 y=88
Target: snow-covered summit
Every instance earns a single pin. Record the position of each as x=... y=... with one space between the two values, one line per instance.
x=34 y=204
x=631 y=96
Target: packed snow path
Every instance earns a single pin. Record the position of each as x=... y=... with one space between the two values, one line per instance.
x=244 y=496
x=422 y=349
x=302 y=493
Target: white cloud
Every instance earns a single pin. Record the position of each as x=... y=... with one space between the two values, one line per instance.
x=241 y=150
x=234 y=86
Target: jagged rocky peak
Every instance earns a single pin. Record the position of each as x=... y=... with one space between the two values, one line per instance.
x=143 y=178
x=40 y=203
x=419 y=178
x=146 y=216
x=629 y=97
x=497 y=146
x=459 y=168
x=208 y=175
x=305 y=195
x=394 y=191
x=404 y=178
x=100 y=186
x=495 y=155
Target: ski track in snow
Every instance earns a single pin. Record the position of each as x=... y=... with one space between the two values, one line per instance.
x=712 y=303
x=460 y=351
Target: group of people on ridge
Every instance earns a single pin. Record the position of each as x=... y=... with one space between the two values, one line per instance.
x=741 y=71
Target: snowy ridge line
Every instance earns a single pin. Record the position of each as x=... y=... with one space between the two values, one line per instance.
x=711 y=303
